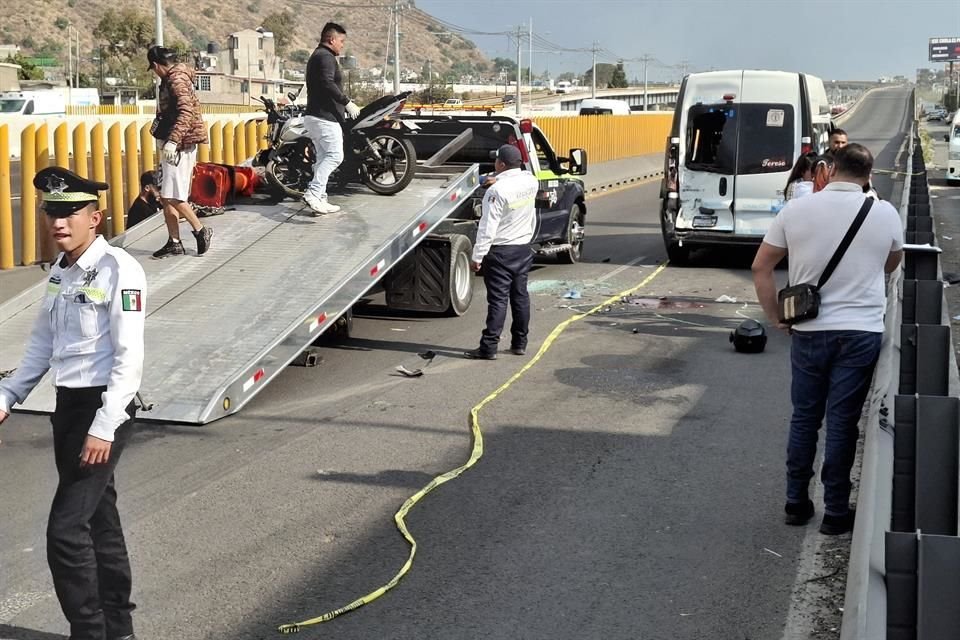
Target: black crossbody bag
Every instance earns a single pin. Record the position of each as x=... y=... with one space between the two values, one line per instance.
x=801 y=302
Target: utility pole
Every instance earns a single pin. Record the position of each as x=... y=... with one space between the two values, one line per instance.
x=159 y=10
x=519 y=72
x=396 y=47
x=593 y=78
x=683 y=69
x=645 y=60
x=530 y=61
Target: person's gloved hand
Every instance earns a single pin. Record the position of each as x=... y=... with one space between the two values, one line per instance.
x=352 y=109
x=170 y=152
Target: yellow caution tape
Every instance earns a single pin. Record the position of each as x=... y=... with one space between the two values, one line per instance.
x=475 y=454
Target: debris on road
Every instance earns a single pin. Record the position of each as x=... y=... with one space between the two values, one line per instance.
x=572 y=294
x=772 y=552
x=726 y=298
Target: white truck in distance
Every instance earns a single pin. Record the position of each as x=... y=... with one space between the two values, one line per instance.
x=46 y=102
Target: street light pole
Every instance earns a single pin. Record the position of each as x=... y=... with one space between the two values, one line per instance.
x=396 y=47
x=159 y=9
x=593 y=78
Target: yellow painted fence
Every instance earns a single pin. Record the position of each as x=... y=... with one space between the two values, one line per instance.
x=607 y=138
x=113 y=153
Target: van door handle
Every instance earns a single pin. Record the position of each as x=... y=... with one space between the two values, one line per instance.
x=707 y=211
x=723 y=187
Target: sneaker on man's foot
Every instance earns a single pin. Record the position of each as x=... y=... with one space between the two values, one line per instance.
x=203 y=239
x=172 y=248
x=319 y=206
x=798 y=513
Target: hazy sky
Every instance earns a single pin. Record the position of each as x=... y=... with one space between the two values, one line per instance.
x=842 y=39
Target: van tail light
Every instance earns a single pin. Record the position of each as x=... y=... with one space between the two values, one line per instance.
x=805 y=146
x=526 y=126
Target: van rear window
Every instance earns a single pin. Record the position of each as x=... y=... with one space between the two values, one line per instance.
x=712 y=138
x=766 y=138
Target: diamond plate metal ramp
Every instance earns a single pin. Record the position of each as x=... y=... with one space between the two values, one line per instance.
x=221 y=326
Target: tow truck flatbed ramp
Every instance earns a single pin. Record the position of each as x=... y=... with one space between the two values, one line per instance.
x=220 y=327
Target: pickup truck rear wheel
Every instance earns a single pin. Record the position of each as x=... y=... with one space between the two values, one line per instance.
x=460 y=278
x=574 y=237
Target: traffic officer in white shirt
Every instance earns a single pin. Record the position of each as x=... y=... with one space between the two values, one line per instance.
x=89 y=336
x=502 y=249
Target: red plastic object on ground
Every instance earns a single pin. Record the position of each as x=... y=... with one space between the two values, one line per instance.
x=212 y=185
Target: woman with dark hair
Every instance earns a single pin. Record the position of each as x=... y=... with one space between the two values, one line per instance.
x=800 y=182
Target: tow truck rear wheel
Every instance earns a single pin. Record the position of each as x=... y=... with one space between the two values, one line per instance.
x=460 y=278
x=574 y=237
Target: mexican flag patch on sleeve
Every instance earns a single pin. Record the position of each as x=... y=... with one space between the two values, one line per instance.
x=131 y=300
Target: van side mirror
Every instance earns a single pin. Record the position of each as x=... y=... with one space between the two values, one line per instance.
x=577 y=162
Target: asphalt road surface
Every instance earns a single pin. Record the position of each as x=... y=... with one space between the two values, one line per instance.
x=631 y=485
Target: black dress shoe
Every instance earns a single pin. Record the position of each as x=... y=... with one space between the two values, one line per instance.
x=838 y=525
x=518 y=351
x=477 y=354
x=798 y=513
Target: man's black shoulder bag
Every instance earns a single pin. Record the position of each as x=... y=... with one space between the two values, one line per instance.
x=802 y=301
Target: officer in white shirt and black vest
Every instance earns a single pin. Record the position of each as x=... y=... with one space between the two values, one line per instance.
x=89 y=336
x=502 y=249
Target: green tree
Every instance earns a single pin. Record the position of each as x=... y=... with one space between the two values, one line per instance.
x=604 y=74
x=283 y=24
x=125 y=35
x=27 y=70
x=61 y=23
x=619 y=78
x=300 y=56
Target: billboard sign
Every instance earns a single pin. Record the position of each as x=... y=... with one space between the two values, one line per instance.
x=944 y=49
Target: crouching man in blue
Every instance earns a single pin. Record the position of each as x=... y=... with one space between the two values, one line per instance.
x=89 y=336
x=833 y=355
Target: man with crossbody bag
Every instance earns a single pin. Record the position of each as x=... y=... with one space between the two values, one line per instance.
x=845 y=245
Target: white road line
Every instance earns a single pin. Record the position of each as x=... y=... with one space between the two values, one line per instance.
x=623 y=268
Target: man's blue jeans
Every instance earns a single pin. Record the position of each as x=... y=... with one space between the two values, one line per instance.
x=832 y=371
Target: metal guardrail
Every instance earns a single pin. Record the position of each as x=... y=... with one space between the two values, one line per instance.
x=607 y=138
x=902 y=583
x=130 y=149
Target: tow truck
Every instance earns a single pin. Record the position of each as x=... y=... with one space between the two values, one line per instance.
x=221 y=327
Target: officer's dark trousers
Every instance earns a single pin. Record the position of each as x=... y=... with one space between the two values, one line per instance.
x=85 y=546
x=505 y=271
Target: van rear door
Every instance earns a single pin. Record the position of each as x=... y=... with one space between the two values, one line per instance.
x=708 y=154
x=769 y=138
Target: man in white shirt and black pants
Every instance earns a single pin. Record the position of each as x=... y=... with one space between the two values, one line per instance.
x=89 y=336
x=502 y=249
x=833 y=355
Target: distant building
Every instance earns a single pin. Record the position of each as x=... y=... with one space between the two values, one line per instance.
x=246 y=68
x=9 y=76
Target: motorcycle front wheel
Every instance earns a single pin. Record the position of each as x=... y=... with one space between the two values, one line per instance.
x=394 y=169
x=289 y=174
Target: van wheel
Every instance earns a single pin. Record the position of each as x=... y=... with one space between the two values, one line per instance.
x=460 y=279
x=575 y=231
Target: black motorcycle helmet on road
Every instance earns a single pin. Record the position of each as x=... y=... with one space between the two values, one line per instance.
x=749 y=337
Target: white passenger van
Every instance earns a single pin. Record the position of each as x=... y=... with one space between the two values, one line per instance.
x=734 y=140
x=601 y=107
x=953 y=151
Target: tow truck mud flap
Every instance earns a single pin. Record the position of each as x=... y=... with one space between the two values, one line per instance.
x=418 y=283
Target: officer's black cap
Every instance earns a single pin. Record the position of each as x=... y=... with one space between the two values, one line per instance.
x=509 y=155
x=64 y=192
